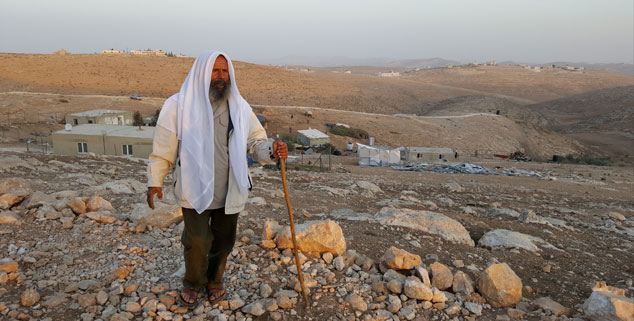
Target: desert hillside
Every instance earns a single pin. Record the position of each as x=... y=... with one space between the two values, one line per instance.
x=266 y=85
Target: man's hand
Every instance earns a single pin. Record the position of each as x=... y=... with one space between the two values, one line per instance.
x=151 y=191
x=280 y=150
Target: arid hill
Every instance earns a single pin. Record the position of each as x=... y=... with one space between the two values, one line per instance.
x=603 y=119
x=162 y=76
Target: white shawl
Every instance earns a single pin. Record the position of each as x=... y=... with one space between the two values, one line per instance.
x=194 y=127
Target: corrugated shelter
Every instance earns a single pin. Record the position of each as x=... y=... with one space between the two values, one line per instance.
x=313 y=137
x=101 y=116
x=378 y=155
x=104 y=140
x=428 y=154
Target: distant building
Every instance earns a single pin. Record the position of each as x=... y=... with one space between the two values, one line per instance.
x=428 y=154
x=104 y=140
x=313 y=137
x=389 y=74
x=112 y=52
x=348 y=71
x=377 y=155
x=101 y=116
x=156 y=52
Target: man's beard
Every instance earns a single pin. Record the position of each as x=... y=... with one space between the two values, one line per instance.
x=219 y=94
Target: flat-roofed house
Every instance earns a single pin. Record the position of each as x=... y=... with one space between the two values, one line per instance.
x=101 y=116
x=104 y=140
x=313 y=137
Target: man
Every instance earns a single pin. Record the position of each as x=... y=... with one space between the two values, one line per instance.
x=205 y=131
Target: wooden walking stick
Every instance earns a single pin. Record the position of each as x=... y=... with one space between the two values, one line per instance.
x=290 y=216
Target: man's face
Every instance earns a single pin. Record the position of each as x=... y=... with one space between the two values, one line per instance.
x=219 y=78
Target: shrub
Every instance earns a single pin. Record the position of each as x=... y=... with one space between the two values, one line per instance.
x=584 y=159
x=290 y=140
x=349 y=132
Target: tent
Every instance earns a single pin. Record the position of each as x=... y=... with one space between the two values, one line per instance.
x=378 y=155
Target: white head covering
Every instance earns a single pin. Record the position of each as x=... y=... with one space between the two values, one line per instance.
x=194 y=127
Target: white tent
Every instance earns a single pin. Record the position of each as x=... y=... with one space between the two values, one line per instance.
x=377 y=156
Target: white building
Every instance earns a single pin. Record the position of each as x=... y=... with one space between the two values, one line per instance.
x=313 y=137
x=389 y=74
x=377 y=155
x=112 y=52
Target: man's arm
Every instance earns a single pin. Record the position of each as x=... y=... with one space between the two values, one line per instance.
x=164 y=148
x=258 y=145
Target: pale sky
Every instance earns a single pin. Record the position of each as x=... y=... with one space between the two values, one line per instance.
x=535 y=31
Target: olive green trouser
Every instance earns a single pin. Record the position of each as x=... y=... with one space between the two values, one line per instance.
x=208 y=239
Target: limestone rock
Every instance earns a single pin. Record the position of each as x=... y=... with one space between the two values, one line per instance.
x=441 y=276
x=7 y=200
x=315 y=236
x=502 y=238
x=9 y=267
x=500 y=286
x=87 y=300
x=608 y=303
x=415 y=289
x=397 y=259
x=269 y=230
x=502 y=212
x=124 y=186
x=254 y=308
x=423 y=275
x=462 y=283
x=38 y=199
x=395 y=286
x=453 y=187
x=548 y=304
x=13 y=184
x=104 y=217
x=30 y=297
x=10 y=218
x=426 y=221
x=97 y=203
x=356 y=302
x=257 y=201
x=368 y=186
x=77 y=205
x=54 y=301
x=162 y=217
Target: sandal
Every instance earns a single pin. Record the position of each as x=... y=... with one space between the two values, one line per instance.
x=192 y=294
x=216 y=294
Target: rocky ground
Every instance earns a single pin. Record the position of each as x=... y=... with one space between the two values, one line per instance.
x=79 y=243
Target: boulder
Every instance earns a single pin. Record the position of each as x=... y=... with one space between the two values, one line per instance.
x=500 y=286
x=161 y=217
x=315 y=237
x=608 y=303
x=397 y=259
x=441 y=276
x=368 y=186
x=269 y=230
x=356 y=302
x=14 y=184
x=502 y=238
x=11 y=198
x=97 y=203
x=415 y=289
x=77 y=205
x=38 y=199
x=10 y=218
x=462 y=284
x=426 y=221
x=548 y=304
